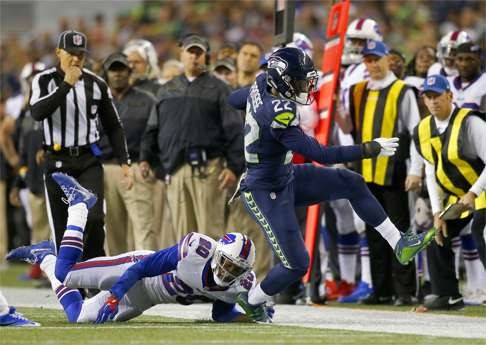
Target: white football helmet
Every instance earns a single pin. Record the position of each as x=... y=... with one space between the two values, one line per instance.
x=233 y=257
x=302 y=42
x=359 y=31
x=147 y=51
x=446 y=48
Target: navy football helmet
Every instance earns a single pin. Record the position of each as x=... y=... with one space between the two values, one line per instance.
x=291 y=72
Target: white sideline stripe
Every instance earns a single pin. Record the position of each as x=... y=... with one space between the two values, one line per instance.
x=443 y=325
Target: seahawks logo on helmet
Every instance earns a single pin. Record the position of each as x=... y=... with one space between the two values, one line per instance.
x=279 y=64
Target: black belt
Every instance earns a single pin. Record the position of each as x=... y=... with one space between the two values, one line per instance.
x=72 y=151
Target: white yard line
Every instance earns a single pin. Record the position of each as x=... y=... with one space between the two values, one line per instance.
x=301 y=316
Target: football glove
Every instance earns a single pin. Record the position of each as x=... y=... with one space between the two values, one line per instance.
x=380 y=147
x=108 y=310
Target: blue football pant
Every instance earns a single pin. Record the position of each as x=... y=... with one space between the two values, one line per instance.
x=275 y=212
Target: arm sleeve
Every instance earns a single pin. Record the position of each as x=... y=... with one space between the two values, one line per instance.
x=224 y=312
x=42 y=102
x=157 y=263
x=149 y=146
x=294 y=139
x=476 y=128
x=232 y=124
x=416 y=162
x=432 y=188
x=237 y=99
x=409 y=111
x=113 y=127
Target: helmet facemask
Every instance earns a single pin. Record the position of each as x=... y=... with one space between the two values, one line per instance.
x=226 y=269
x=301 y=90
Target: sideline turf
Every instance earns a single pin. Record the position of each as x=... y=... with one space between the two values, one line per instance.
x=160 y=330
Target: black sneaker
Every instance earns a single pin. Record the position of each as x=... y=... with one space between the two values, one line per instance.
x=445 y=303
x=375 y=299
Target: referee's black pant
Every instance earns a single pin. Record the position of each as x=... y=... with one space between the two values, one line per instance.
x=87 y=169
x=389 y=277
x=441 y=259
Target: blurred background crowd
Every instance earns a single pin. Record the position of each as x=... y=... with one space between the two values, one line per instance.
x=406 y=25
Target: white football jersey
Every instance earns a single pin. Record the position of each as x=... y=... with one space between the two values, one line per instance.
x=468 y=95
x=190 y=281
x=353 y=75
x=437 y=68
x=414 y=81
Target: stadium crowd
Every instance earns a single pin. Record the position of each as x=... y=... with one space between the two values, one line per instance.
x=183 y=169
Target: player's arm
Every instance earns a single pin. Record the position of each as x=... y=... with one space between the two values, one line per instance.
x=152 y=265
x=164 y=260
x=237 y=99
x=294 y=139
x=226 y=312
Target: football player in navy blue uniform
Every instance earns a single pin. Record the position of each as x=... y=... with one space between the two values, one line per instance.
x=272 y=186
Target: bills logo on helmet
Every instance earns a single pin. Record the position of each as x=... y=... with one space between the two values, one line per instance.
x=228 y=239
x=279 y=64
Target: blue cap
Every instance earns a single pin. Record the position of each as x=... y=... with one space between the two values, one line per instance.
x=376 y=48
x=436 y=83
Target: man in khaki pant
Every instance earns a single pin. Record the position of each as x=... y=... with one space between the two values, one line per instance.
x=129 y=210
x=198 y=139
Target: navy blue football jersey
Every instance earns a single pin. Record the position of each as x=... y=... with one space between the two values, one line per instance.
x=268 y=160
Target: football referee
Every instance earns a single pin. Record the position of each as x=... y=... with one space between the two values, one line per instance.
x=70 y=101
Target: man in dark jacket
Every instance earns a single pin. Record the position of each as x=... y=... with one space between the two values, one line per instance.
x=198 y=138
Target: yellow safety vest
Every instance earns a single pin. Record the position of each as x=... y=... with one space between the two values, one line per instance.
x=453 y=171
x=375 y=114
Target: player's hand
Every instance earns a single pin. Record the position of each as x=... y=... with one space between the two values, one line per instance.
x=108 y=310
x=413 y=183
x=380 y=147
x=388 y=146
x=127 y=175
x=468 y=201
x=441 y=227
x=72 y=75
x=227 y=179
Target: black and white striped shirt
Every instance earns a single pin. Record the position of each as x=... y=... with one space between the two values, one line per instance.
x=70 y=114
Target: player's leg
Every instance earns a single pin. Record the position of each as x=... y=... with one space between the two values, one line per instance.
x=43 y=253
x=316 y=184
x=80 y=201
x=275 y=213
x=127 y=308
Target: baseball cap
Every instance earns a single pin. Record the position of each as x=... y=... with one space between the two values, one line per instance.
x=119 y=58
x=72 y=41
x=228 y=63
x=435 y=83
x=194 y=40
x=468 y=47
x=376 y=48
